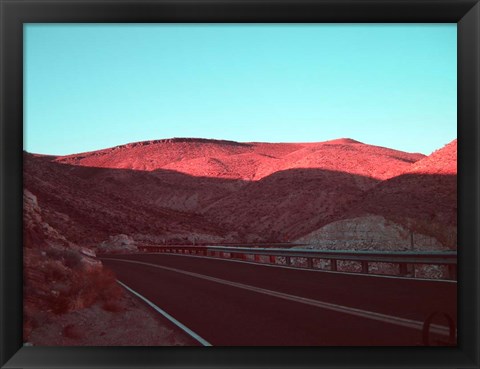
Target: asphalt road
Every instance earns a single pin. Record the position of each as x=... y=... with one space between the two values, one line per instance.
x=231 y=303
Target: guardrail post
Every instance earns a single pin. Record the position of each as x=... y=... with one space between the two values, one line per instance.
x=333 y=265
x=257 y=258
x=364 y=266
x=310 y=263
x=403 y=269
x=273 y=259
x=452 y=271
x=288 y=261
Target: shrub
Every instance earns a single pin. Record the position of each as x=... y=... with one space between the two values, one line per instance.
x=66 y=286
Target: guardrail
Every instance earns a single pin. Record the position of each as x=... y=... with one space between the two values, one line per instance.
x=279 y=245
x=406 y=260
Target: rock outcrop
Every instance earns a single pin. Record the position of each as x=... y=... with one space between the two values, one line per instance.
x=71 y=299
x=120 y=243
x=371 y=232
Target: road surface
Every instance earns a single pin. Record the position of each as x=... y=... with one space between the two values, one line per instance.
x=230 y=303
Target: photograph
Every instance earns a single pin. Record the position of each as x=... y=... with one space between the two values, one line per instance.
x=240 y=184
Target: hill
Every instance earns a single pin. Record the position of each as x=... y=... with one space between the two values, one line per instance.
x=215 y=190
x=79 y=202
x=421 y=201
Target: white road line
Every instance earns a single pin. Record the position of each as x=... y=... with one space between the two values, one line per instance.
x=168 y=316
x=300 y=268
x=414 y=324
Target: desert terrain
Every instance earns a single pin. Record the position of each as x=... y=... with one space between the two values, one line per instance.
x=340 y=194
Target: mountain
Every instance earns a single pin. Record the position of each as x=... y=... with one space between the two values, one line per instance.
x=442 y=161
x=246 y=161
x=182 y=189
x=420 y=203
x=87 y=211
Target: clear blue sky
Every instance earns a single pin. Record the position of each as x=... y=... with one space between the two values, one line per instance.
x=89 y=87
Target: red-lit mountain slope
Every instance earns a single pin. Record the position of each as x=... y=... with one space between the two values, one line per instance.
x=203 y=161
x=218 y=190
x=248 y=161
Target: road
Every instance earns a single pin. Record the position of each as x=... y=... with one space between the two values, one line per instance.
x=231 y=303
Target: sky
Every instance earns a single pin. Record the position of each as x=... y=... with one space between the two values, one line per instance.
x=93 y=86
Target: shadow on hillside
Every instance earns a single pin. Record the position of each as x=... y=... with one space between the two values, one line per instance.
x=103 y=201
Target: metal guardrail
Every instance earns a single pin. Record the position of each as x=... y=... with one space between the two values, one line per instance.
x=230 y=244
x=404 y=259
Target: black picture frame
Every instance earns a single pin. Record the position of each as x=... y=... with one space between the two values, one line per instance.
x=14 y=13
